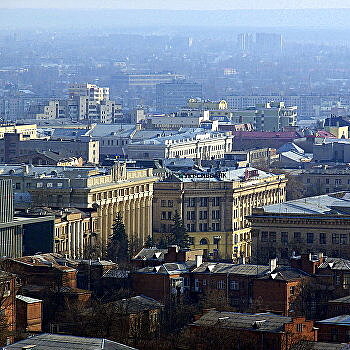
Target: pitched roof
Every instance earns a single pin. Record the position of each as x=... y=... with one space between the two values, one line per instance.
x=343 y=320
x=335 y=264
x=239 y=269
x=168 y=268
x=66 y=342
x=326 y=346
x=343 y=300
x=136 y=304
x=285 y=273
x=256 y=322
x=150 y=254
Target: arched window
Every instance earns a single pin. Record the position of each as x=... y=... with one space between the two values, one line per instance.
x=203 y=241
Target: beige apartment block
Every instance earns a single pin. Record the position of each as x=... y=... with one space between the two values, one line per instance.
x=214 y=207
x=28 y=131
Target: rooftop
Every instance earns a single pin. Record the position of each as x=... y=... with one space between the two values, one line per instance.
x=332 y=204
x=342 y=320
x=168 y=268
x=263 y=322
x=66 y=342
x=335 y=264
x=240 y=269
x=137 y=304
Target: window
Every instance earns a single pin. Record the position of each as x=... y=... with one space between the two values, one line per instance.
x=18 y=186
x=308 y=180
x=221 y=284
x=297 y=237
x=327 y=181
x=203 y=227
x=203 y=215
x=163 y=215
x=300 y=327
x=215 y=214
x=191 y=202
x=49 y=185
x=39 y=184
x=337 y=181
x=234 y=285
x=204 y=282
x=284 y=237
x=292 y=290
x=170 y=203
x=322 y=238
x=264 y=236
x=272 y=236
x=343 y=239
x=215 y=226
x=162 y=203
x=170 y=215
x=59 y=184
x=216 y=201
x=191 y=215
x=203 y=241
x=310 y=238
x=203 y=201
x=335 y=238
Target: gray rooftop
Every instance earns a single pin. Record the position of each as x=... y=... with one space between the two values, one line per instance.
x=239 y=269
x=335 y=264
x=219 y=175
x=66 y=342
x=343 y=320
x=151 y=254
x=168 y=268
x=136 y=304
x=264 y=322
x=334 y=203
x=28 y=300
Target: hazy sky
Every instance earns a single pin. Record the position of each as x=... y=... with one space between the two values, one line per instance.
x=177 y=4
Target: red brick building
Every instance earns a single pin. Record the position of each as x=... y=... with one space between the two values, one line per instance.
x=28 y=314
x=277 y=291
x=252 y=331
x=336 y=329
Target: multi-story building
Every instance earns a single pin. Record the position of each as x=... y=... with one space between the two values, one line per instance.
x=307 y=225
x=28 y=131
x=213 y=206
x=108 y=191
x=192 y=144
x=14 y=145
x=271 y=116
x=325 y=179
x=18 y=234
x=174 y=95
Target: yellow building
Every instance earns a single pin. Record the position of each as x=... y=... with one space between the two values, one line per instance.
x=108 y=191
x=27 y=131
x=340 y=132
x=214 y=205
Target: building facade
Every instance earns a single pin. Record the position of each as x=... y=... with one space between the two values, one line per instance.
x=213 y=207
x=307 y=225
x=108 y=191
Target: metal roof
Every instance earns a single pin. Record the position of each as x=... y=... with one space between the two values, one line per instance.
x=66 y=342
x=264 y=322
x=343 y=320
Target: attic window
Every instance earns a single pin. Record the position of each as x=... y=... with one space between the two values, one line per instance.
x=210 y=268
x=273 y=275
x=258 y=324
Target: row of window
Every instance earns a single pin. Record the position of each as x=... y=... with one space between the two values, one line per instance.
x=121 y=192
x=17 y=185
x=233 y=285
x=328 y=181
x=204 y=201
x=203 y=215
x=337 y=238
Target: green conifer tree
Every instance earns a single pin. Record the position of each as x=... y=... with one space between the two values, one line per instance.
x=118 y=245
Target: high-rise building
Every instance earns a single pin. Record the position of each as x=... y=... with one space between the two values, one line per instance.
x=245 y=42
x=268 y=43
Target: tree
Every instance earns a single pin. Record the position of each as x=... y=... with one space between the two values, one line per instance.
x=118 y=246
x=149 y=242
x=178 y=233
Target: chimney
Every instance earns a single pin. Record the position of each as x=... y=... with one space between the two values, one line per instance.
x=272 y=264
x=199 y=260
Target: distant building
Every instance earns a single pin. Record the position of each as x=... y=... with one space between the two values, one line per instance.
x=174 y=95
x=272 y=116
x=195 y=144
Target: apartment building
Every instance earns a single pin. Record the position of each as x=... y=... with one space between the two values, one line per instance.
x=214 y=206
